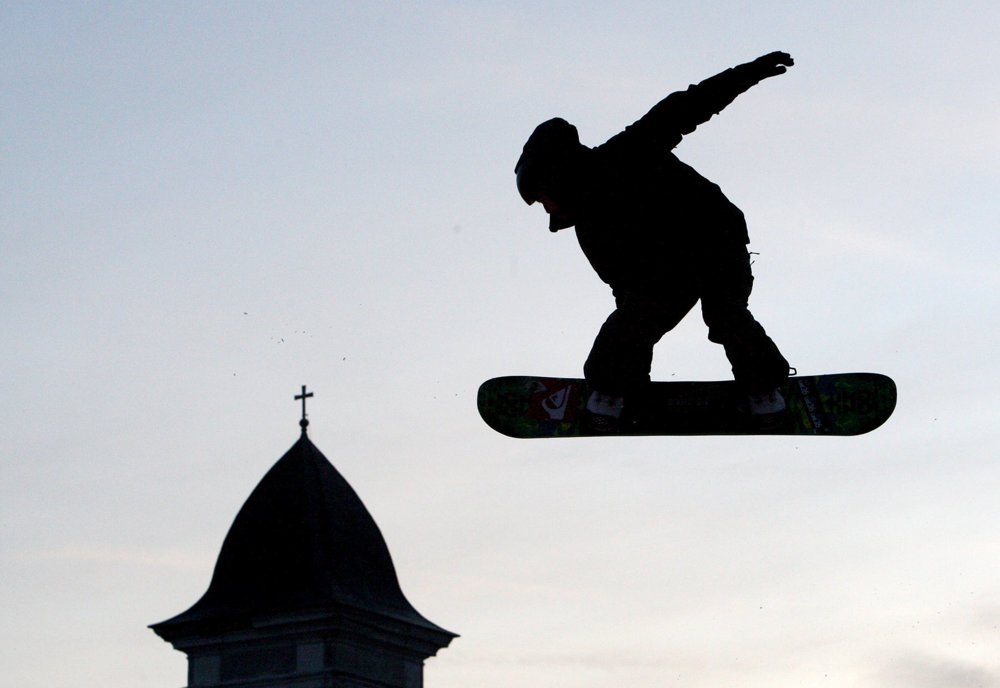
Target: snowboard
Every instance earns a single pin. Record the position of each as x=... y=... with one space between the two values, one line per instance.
x=838 y=404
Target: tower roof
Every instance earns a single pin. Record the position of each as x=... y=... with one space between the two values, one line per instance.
x=303 y=541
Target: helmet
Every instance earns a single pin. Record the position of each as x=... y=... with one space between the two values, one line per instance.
x=547 y=155
x=548 y=165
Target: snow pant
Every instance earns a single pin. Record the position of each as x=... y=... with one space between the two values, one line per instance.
x=622 y=355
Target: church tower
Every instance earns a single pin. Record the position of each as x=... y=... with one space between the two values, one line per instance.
x=304 y=593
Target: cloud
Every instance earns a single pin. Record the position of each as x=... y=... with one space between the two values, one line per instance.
x=924 y=671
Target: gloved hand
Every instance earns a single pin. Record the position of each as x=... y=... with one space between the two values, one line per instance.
x=773 y=64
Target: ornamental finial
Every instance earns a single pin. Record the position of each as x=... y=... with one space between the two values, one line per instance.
x=304 y=423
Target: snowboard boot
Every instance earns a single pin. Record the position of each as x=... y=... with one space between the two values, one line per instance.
x=767 y=408
x=604 y=412
x=767 y=403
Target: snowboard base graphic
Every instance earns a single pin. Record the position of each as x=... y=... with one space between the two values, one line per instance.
x=837 y=404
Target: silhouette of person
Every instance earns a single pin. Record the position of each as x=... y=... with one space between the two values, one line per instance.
x=662 y=236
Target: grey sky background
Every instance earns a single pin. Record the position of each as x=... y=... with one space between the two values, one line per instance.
x=204 y=206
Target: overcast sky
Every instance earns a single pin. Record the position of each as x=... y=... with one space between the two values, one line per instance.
x=204 y=206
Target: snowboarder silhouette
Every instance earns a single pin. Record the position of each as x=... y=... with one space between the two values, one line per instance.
x=662 y=236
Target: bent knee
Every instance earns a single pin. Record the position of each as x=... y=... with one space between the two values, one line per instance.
x=725 y=325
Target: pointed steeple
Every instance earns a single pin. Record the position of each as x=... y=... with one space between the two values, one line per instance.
x=304 y=553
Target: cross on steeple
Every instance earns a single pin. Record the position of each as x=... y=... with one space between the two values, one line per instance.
x=304 y=422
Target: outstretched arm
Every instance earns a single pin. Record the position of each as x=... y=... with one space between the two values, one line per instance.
x=680 y=113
